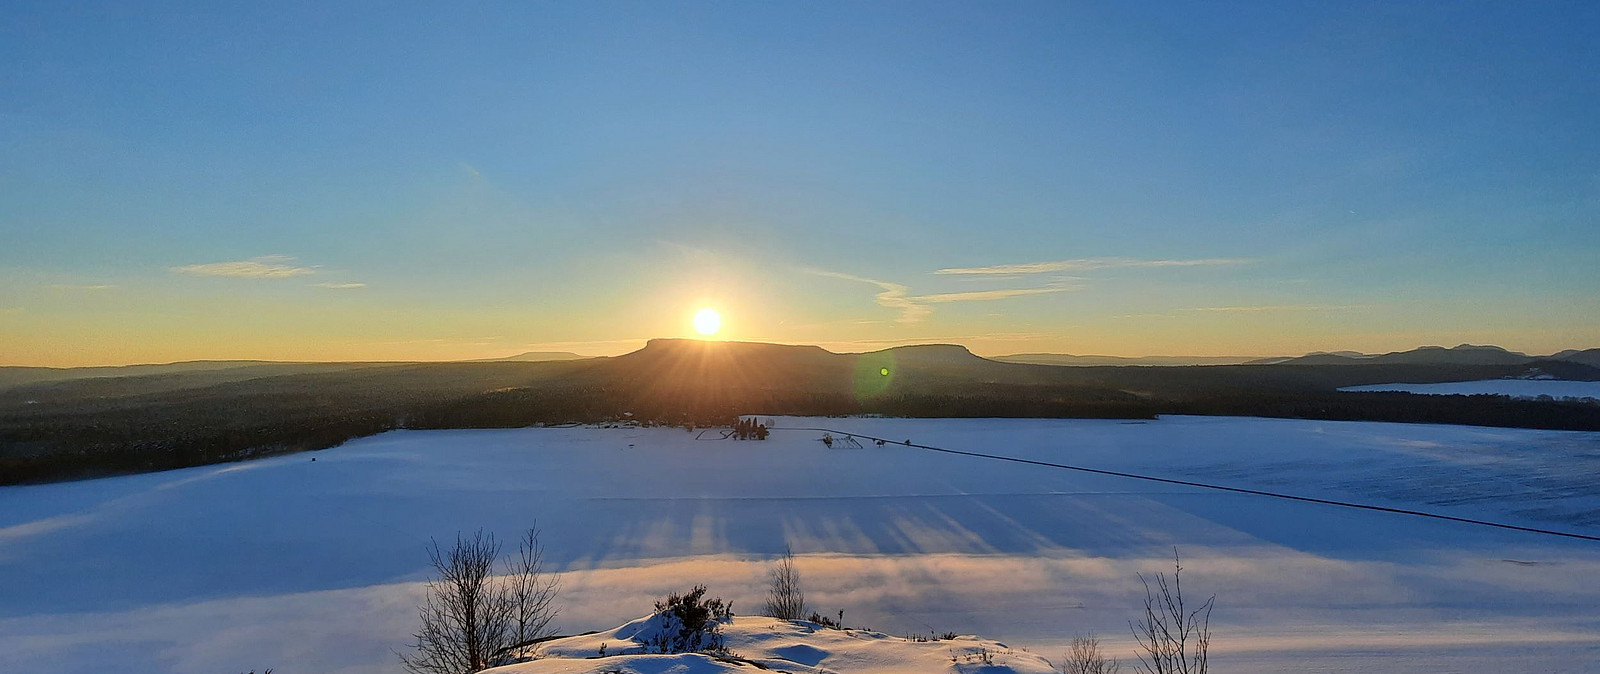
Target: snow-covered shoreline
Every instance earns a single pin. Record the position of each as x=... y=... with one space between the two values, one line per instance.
x=317 y=566
x=1515 y=388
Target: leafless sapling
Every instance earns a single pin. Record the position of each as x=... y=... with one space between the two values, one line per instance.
x=530 y=591
x=1173 y=639
x=785 y=599
x=1084 y=656
x=465 y=615
x=471 y=619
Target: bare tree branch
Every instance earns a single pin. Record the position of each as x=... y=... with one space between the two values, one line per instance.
x=1172 y=639
x=784 y=597
x=472 y=620
x=1085 y=657
x=531 y=591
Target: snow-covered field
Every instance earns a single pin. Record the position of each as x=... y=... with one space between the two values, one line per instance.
x=1516 y=388
x=315 y=566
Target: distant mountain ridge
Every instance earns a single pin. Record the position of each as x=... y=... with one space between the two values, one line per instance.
x=218 y=371
x=210 y=370
x=1590 y=357
x=1071 y=360
x=1461 y=354
x=535 y=357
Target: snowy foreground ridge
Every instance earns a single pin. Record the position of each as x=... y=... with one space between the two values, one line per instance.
x=756 y=643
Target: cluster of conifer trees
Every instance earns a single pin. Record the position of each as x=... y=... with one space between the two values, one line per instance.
x=749 y=429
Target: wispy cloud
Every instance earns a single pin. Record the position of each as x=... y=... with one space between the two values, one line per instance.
x=340 y=286
x=266 y=266
x=1283 y=307
x=75 y=287
x=986 y=295
x=914 y=308
x=893 y=295
x=1088 y=264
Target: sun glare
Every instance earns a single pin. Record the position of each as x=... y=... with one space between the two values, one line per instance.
x=707 y=322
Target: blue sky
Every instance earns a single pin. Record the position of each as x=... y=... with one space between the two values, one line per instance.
x=414 y=181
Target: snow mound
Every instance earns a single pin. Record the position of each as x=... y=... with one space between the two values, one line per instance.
x=756 y=643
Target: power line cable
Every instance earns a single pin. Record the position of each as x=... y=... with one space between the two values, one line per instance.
x=1204 y=485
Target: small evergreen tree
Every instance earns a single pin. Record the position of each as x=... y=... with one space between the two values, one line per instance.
x=691 y=623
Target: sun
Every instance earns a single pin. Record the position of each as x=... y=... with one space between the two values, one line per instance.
x=707 y=321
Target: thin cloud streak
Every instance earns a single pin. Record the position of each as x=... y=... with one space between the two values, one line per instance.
x=986 y=295
x=1088 y=264
x=68 y=287
x=893 y=296
x=340 y=286
x=913 y=308
x=266 y=266
x=1284 y=307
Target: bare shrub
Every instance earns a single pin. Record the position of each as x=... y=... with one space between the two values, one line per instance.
x=825 y=621
x=465 y=620
x=1172 y=638
x=472 y=620
x=530 y=591
x=1085 y=657
x=785 y=600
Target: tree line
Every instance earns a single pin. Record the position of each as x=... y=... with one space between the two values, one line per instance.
x=95 y=438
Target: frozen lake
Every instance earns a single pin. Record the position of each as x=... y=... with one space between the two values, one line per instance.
x=314 y=566
x=1516 y=388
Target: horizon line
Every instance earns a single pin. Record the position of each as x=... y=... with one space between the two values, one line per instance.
x=895 y=344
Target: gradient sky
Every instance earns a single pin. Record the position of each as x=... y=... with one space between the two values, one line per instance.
x=432 y=181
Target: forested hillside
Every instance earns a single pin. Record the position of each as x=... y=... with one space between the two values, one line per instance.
x=92 y=426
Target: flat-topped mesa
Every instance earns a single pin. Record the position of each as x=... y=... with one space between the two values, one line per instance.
x=675 y=345
x=934 y=353
x=679 y=344
x=713 y=353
